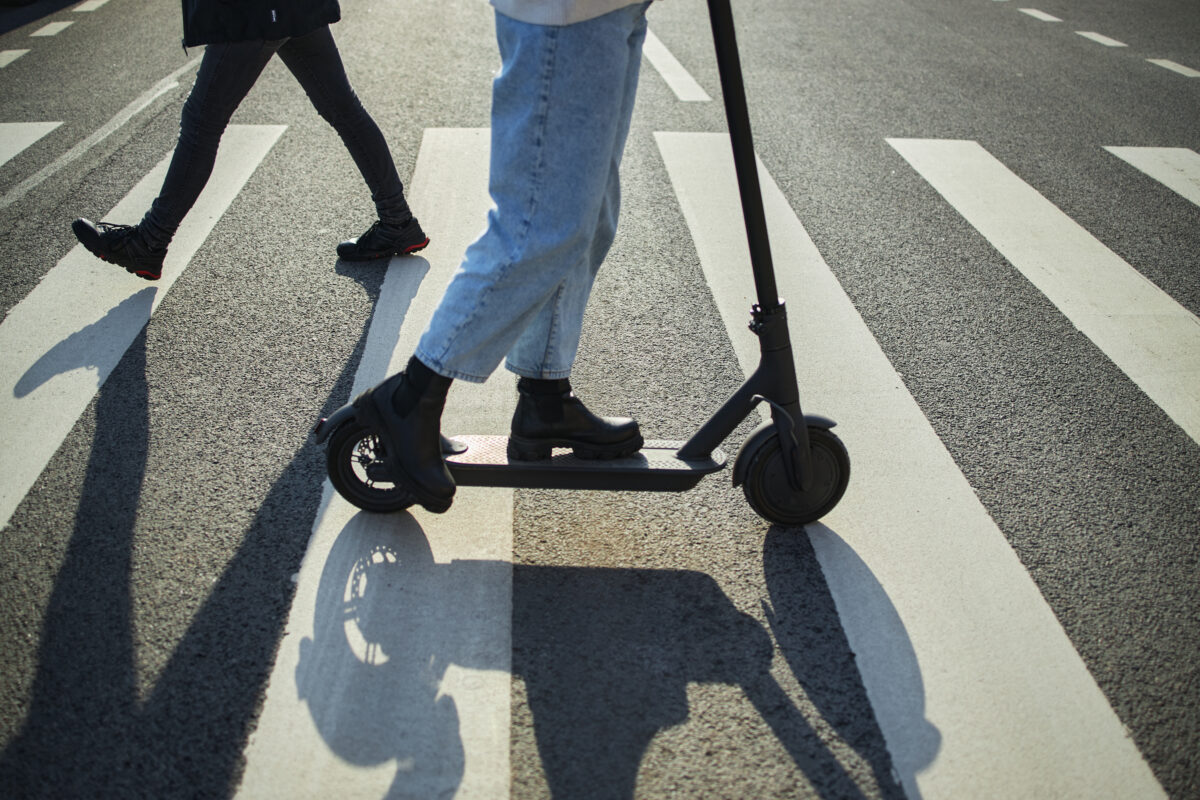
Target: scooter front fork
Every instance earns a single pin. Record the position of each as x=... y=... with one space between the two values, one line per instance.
x=773 y=381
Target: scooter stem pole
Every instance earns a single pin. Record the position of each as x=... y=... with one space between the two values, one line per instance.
x=738 y=119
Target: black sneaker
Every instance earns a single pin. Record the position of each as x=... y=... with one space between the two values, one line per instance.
x=382 y=240
x=121 y=245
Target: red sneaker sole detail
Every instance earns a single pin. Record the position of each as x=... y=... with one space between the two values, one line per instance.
x=141 y=273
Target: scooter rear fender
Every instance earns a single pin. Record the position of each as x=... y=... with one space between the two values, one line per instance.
x=759 y=436
x=327 y=425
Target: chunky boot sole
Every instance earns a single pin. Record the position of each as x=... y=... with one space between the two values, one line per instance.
x=374 y=407
x=523 y=449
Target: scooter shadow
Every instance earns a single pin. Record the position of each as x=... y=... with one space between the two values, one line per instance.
x=386 y=627
x=606 y=656
x=896 y=688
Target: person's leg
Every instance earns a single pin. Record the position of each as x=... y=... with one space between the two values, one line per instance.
x=560 y=110
x=405 y=412
x=556 y=110
x=317 y=65
x=548 y=414
x=546 y=348
x=226 y=74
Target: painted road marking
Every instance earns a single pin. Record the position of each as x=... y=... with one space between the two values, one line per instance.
x=1166 y=63
x=394 y=675
x=1146 y=333
x=16 y=136
x=976 y=687
x=90 y=5
x=679 y=79
x=1042 y=15
x=1101 y=39
x=59 y=344
x=9 y=56
x=1177 y=168
x=121 y=117
x=52 y=29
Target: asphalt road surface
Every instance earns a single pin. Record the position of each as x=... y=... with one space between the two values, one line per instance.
x=986 y=224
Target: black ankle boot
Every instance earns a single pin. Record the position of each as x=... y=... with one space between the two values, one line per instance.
x=549 y=415
x=405 y=411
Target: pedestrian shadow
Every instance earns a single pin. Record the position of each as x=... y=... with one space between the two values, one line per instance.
x=83 y=707
x=87 y=731
x=93 y=346
x=606 y=657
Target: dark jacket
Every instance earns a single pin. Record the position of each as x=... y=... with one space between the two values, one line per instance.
x=215 y=21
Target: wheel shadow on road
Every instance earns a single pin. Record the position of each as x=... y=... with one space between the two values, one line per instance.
x=810 y=651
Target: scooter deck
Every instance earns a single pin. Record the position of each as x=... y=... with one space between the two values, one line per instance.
x=653 y=468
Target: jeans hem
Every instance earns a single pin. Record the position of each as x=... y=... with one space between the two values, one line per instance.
x=537 y=374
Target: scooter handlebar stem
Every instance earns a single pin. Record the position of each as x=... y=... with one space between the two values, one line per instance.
x=737 y=118
x=770 y=326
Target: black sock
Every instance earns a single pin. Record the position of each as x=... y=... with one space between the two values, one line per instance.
x=417 y=377
x=539 y=386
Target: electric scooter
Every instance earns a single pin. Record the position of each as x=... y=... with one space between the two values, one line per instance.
x=793 y=469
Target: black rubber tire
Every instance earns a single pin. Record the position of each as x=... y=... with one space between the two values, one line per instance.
x=772 y=497
x=350 y=456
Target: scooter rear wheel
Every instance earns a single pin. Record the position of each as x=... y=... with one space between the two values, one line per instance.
x=354 y=459
x=772 y=496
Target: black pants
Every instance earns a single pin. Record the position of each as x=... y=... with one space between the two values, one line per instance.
x=226 y=75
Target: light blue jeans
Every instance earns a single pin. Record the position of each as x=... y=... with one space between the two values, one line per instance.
x=561 y=106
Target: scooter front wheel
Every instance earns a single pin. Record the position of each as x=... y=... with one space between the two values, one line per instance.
x=771 y=495
x=354 y=458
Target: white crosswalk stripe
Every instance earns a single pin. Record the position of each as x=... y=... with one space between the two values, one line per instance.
x=960 y=654
x=59 y=344
x=677 y=77
x=1100 y=38
x=9 y=56
x=1176 y=67
x=53 y=28
x=123 y=116
x=1150 y=336
x=326 y=678
x=16 y=136
x=1177 y=168
x=1041 y=15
